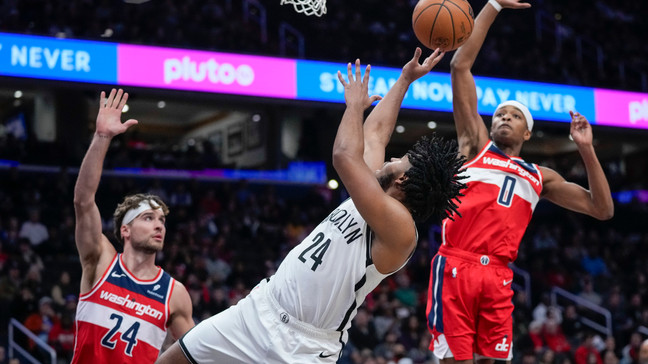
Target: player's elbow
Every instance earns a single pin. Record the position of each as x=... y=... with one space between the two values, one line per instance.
x=603 y=213
x=606 y=213
x=458 y=64
x=341 y=158
x=82 y=203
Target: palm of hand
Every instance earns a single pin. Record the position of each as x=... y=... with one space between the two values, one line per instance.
x=109 y=122
x=415 y=71
x=582 y=135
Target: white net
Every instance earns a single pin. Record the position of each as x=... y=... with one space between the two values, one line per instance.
x=308 y=7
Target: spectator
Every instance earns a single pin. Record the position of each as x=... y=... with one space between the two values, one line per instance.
x=529 y=358
x=588 y=292
x=405 y=293
x=384 y=316
x=548 y=357
x=572 y=325
x=593 y=264
x=553 y=336
x=41 y=322
x=630 y=352
x=535 y=334
x=544 y=240
x=387 y=348
x=410 y=333
x=587 y=353
x=218 y=301
x=180 y=197
x=62 y=289
x=543 y=309
x=61 y=338
x=33 y=229
x=363 y=333
x=9 y=283
x=609 y=357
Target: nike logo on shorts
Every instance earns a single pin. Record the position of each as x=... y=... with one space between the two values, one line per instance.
x=324 y=356
x=507 y=282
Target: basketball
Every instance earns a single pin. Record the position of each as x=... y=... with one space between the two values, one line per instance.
x=444 y=24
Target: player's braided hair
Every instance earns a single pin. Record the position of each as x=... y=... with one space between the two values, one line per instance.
x=131 y=202
x=432 y=187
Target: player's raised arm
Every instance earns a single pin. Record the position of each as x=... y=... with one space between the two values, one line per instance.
x=388 y=218
x=472 y=134
x=380 y=123
x=597 y=201
x=90 y=241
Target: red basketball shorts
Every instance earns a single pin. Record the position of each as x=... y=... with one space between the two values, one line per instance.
x=469 y=307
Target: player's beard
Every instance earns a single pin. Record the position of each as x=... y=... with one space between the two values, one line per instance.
x=386 y=180
x=146 y=246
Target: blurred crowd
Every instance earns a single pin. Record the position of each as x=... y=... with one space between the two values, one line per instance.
x=598 y=44
x=224 y=237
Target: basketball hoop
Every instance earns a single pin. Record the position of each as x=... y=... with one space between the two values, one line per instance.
x=308 y=7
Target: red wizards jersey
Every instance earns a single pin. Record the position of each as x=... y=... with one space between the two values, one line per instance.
x=122 y=319
x=501 y=194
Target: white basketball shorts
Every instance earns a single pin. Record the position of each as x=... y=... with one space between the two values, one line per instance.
x=257 y=330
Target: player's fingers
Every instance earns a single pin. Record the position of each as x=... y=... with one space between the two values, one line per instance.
x=439 y=56
x=110 y=98
x=357 y=69
x=349 y=74
x=365 y=79
x=341 y=78
x=118 y=97
x=123 y=101
x=130 y=122
x=417 y=54
x=375 y=98
x=102 y=99
x=431 y=60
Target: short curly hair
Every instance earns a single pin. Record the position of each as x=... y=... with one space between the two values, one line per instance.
x=131 y=202
x=433 y=185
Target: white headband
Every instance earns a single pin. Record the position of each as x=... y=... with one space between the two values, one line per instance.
x=524 y=109
x=131 y=214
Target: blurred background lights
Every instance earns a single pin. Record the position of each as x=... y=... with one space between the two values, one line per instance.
x=333 y=184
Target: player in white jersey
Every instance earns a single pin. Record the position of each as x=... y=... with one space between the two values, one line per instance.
x=303 y=312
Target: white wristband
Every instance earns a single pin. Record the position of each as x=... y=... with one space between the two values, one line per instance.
x=496 y=5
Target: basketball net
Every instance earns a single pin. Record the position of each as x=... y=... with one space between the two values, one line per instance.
x=308 y=7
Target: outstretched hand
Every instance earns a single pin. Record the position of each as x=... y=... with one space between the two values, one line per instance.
x=356 y=91
x=413 y=70
x=580 y=129
x=513 y=4
x=109 y=117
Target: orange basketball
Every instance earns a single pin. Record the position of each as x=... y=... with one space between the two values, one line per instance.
x=444 y=24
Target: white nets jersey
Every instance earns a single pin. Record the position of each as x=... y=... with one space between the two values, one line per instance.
x=324 y=279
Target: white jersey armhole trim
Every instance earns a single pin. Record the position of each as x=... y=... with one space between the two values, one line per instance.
x=101 y=280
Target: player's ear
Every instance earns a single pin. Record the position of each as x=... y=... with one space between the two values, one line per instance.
x=527 y=135
x=399 y=181
x=124 y=231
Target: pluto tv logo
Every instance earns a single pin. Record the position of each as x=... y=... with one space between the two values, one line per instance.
x=186 y=69
x=638 y=111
